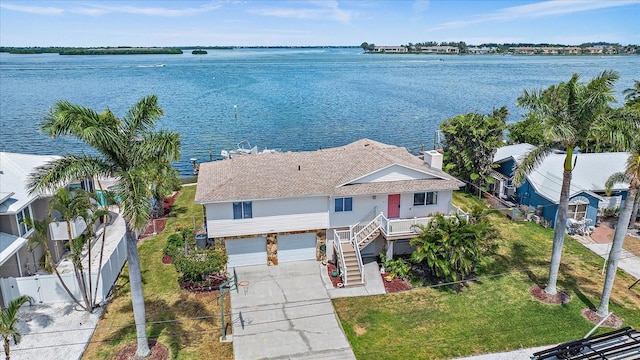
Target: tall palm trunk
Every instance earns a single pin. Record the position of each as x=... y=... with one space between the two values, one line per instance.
x=64 y=285
x=558 y=236
x=137 y=297
x=76 y=260
x=7 y=349
x=614 y=254
x=634 y=212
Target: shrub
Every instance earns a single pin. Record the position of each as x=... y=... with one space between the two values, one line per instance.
x=175 y=245
x=196 y=265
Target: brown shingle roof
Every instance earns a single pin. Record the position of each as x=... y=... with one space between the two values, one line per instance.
x=313 y=173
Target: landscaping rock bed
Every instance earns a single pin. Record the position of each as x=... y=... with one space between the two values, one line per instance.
x=334 y=280
x=395 y=285
x=559 y=298
x=158 y=352
x=211 y=284
x=612 y=321
x=158 y=224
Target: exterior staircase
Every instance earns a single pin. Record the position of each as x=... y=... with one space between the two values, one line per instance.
x=367 y=235
x=354 y=277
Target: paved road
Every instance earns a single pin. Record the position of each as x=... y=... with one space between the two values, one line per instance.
x=285 y=313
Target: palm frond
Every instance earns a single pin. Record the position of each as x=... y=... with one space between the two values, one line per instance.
x=142 y=116
x=632 y=92
x=533 y=159
x=159 y=146
x=57 y=173
x=135 y=196
x=616 y=178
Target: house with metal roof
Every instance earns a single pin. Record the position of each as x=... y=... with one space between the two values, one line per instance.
x=345 y=203
x=541 y=189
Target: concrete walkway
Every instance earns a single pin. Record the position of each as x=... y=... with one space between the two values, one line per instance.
x=284 y=312
x=373 y=283
x=628 y=261
x=522 y=354
x=63 y=331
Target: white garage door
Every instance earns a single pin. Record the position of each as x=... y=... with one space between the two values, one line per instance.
x=296 y=247
x=243 y=252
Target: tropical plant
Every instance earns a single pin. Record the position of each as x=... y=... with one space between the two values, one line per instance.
x=527 y=131
x=124 y=149
x=398 y=267
x=73 y=206
x=631 y=175
x=40 y=237
x=8 y=322
x=164 y=180
x=453 y=247
x=471 y=141
x=568 y=112
x=632 y=95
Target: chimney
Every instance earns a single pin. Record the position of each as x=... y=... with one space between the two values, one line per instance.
x=433 y=159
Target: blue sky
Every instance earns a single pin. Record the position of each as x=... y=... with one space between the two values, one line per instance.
x=323 y=22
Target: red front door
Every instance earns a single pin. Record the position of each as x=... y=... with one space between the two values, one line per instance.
x=394 y=206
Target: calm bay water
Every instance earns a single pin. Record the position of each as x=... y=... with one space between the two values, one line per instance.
x=290 y=99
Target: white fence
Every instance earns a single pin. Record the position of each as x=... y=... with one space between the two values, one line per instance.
x=46 y=289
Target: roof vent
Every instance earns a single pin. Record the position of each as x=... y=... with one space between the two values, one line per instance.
x=298 y=167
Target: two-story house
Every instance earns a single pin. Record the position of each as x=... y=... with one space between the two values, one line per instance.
x=340 y=203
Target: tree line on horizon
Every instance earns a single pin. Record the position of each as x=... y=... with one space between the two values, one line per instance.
x=504 y=47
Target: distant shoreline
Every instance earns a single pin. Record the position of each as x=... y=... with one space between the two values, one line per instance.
x=173 y=50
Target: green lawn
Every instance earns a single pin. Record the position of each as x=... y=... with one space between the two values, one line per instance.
x=187 y=338
x=494 y=314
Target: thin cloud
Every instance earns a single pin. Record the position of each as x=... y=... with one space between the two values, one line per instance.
x=420 y=6
x=324 y=10
x=97 y=9
x=541 y=9
x=39 y=10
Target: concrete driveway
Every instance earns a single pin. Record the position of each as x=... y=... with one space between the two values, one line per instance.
x=285 y=313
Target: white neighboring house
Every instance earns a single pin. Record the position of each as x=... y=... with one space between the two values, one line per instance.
x=16 y=205
x=344 y=203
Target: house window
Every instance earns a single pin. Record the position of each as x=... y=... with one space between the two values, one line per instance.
x=344 y=204
x=578 y=211
x=242 y=210
x=24 y=214
x=425 y=198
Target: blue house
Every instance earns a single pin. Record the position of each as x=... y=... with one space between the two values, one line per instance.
x=541 y=189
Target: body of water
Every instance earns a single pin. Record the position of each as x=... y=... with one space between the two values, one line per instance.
x=289 y=99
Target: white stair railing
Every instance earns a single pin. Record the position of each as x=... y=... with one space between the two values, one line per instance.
x=364 y=221
x=343 y=267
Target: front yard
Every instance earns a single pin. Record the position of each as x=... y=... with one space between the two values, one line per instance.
x=187 y=323
x=493 y=314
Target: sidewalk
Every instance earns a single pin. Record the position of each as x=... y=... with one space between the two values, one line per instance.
x=62 y=331
x=600 y=243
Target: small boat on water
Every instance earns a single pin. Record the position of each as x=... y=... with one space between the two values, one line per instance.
x=245 y=148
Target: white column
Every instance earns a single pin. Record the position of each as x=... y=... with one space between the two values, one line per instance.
x=390 y=249
x=19 y=265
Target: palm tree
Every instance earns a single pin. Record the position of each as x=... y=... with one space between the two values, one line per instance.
x=125 y=148
x=73 y=206
x=632 y=93
x=8 y=322
x=40 y=237
x=631 y=175
x=568 y=112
